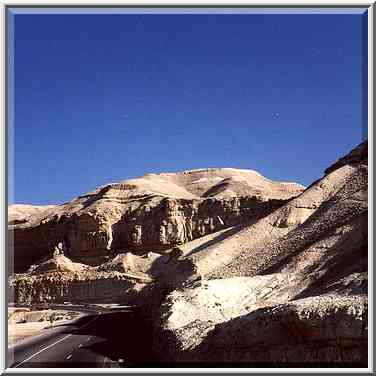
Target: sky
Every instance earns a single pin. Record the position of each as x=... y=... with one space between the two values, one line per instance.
x=102 y=98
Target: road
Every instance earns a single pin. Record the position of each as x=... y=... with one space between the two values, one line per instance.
x=99 y=338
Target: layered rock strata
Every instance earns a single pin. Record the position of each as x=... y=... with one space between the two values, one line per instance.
x=61 y=287
x=151 y=213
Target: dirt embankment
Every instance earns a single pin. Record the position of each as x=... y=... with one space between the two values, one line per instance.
x=25 y=322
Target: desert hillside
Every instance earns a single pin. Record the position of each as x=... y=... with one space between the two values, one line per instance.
x=227 y=265
x=291 y=285
x=152 y=213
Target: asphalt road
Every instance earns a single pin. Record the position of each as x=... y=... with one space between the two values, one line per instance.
x=99 y=338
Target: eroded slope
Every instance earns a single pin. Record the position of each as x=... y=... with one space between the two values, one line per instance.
x=151 y=213
x=301 y=276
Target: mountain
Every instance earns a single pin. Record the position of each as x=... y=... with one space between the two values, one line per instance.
x=264 y=272
x=154 y=212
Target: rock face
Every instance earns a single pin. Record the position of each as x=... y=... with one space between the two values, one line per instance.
x=187 y=315
x=150 y=213
x=58 y=288
x=322 y=329
x=328 y=212
x=59 y=279
x=301 y=294
x=127 y=279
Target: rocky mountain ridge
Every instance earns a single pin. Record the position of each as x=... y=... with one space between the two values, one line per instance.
x=152 y=213
x=286 y=284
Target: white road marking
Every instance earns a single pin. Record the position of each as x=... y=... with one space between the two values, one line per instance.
x=45 y=348
x=68 y=357
x=11 y=347
x=80 y=345
x=32 y=337
x=55 y=343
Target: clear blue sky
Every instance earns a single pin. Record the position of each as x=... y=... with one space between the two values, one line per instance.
x=101 y=98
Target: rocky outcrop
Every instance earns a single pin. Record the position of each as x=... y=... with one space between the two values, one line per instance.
x=78 y=288
x=188 y=314
x=357 y=155
x=306 y=225
x=126 y=278
x=23 y=316
x=59 y=263
x=154 y=213
x=175 y=221
x=327 y=330
x=301 y=290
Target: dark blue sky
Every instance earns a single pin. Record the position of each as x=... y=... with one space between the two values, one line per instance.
x=100 y=98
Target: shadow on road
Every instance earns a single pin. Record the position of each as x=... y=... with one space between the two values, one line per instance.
x=120 y=336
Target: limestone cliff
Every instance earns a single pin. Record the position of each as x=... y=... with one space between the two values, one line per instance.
x=150 y=213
